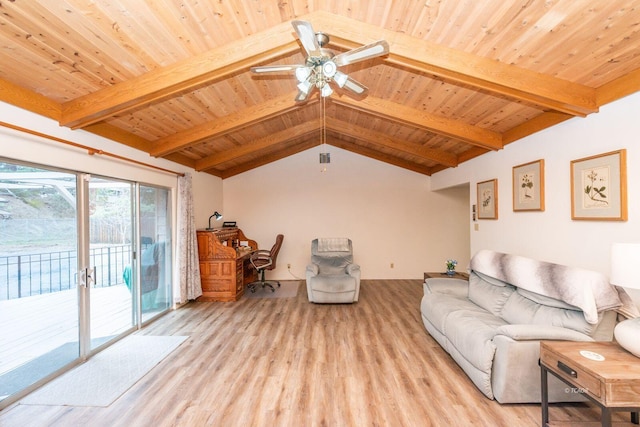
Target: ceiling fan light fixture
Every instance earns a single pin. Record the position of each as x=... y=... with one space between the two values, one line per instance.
x=303 y=73
x=301 y=97
x=329 y=69
x=305 y=87
x=340 y=78
x=326 y=90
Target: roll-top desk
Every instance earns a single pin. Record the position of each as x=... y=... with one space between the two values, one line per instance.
x=225 y=269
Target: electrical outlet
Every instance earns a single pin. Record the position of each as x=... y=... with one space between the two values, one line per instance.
x=289 y=266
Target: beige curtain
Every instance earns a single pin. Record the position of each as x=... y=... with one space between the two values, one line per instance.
x=190 y=286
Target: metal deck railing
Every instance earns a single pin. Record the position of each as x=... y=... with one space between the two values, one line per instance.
x=26 y=275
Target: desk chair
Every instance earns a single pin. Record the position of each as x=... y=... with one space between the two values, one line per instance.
x=263 y=260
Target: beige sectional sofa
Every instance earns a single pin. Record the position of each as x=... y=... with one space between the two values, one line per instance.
x=492 y=324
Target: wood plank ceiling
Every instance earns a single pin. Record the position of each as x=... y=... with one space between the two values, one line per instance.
x=171 y=77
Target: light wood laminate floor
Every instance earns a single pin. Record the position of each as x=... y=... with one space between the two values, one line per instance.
x=288 y=362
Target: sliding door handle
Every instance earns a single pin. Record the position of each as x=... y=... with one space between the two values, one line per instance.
x=85 y=277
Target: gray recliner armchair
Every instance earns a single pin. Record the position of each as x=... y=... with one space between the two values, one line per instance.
x=332 y=277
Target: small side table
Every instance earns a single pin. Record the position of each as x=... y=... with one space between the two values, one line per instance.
x=603 y=371
x=431 y=275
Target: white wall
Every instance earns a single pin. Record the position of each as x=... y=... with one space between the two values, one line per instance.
x=552 y=235
x=390 y=213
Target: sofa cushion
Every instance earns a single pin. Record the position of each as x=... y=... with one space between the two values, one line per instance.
x=336 y=288
x=333 y=265
x=471 y=332
x=489 y=279
x=538 y=332
x=454 y=287
x=436 y=308
x=541 y=299
x=487 y=295
x=333 y=283
x=521 y=310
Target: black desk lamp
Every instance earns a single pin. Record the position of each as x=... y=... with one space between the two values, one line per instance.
x=218 y=217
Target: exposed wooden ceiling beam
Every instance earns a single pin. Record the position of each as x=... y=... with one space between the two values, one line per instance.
x=120 y=135
x=616 y=89
x=440 y=125
x=36 y=103
x=225 y=124
x=340 y=127
x=132 y=140
x=453 y=65
x=29 y=100
x=373 y=154
x=185 y=75
x=263 y=160
x=378 y=138
x=260 y=144
x=534 y=125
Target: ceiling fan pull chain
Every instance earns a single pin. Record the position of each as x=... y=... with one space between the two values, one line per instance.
x=325 y=157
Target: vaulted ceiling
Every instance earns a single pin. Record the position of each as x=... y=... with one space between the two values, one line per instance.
x=171 y=77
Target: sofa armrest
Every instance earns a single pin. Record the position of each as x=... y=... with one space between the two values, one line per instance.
x=312 y=269
x=458 y=288
x=540 y=332
x=353 y=269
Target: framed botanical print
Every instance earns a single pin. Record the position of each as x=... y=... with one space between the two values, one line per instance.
x=599 y=187
x=487 y=199
x=528 y=186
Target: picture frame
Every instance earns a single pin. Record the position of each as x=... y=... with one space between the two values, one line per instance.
x=528 y=186
x=487 y=195
x=599 y=187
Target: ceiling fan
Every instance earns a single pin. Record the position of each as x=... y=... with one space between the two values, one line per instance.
x=321 y=66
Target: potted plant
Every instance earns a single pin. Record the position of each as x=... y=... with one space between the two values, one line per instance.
x=451 y=267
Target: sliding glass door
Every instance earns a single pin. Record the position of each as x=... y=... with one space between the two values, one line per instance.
x=155 y=247
x=111 y=243
x=39 y=305
x=70 y=277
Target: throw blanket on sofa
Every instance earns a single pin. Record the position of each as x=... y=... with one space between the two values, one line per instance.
x=587 y=290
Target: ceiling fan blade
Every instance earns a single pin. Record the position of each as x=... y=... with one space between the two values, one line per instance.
x=371 y=50
x=355 y=86
x=275 y=69
x=307 y=37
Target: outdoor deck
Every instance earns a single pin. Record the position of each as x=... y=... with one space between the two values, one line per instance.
x=36 y=325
